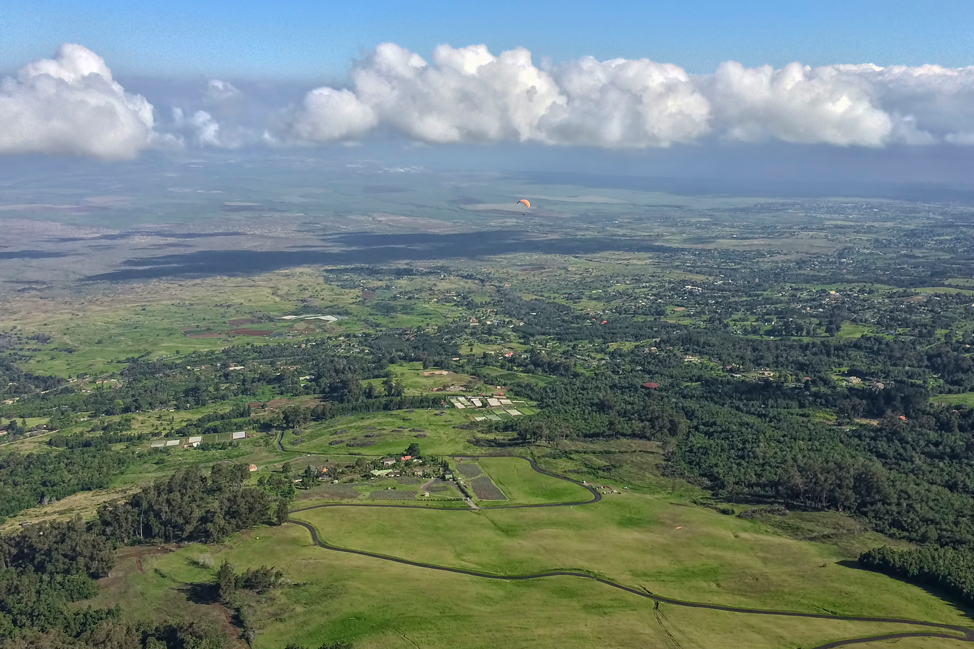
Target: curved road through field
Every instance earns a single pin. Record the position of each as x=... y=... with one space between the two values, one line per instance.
x=960 y=633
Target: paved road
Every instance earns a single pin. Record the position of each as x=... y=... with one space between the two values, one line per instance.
x=936 y=630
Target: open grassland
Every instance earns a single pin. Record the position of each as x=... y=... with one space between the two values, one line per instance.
x=376 y=603
x=500 y=377
x=388 y=433
x=419 y=382
x=944 y=289
x=108 y=324
x=95 y=329
x=671 y=548
x=963 y=399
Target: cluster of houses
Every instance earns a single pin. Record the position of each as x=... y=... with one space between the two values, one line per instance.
x=409 y=466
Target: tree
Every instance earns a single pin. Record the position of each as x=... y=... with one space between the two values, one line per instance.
x=413 y=450
x=226 y=581
x=282 y=514
x=393 y=387
x=296 y=416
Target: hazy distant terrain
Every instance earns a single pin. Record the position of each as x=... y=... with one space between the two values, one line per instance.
x=243 y=214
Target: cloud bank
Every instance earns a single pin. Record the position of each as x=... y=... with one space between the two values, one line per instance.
x=71 y=105
x=470 y=95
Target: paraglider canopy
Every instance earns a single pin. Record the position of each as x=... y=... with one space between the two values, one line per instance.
x=525 y=202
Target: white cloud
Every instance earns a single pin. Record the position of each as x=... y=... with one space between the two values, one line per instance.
x=221 y=91
x=470 y=95
x=71 y=105
x=622 y=103
x=796 y=104
x=329 y=115
x=204 y=130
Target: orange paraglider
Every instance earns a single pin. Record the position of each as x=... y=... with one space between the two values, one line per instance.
x=526 y=203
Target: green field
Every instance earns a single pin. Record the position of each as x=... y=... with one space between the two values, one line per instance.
x=523 y=485
x=634 y=539
x=963 y=399
x=381 y=604
x=629 y=538
x=387 y=433
x=645 y=537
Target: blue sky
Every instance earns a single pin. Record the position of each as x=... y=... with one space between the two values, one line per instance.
x=316 y=39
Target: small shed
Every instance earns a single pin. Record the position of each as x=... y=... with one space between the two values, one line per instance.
x=253 y=467
x=651 y=385
x=240 y=434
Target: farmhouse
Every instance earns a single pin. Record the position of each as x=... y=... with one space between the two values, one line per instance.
x=253 y=467
x=388 y=461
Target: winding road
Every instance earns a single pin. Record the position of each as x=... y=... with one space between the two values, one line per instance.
x=936 y=630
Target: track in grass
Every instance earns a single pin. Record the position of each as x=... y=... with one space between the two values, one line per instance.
x=966 y=634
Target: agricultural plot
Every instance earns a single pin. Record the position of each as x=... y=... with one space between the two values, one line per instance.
x=393 y=494
x=523 y=485
x=469 y=470
x=485 y=489
x=337 y=492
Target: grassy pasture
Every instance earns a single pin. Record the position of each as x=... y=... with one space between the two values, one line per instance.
x=634 y=539
x=104 y=326
x=962 y=399
x=944 y=289
x=416 y=384
x=376 y=604
x=389 y=438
